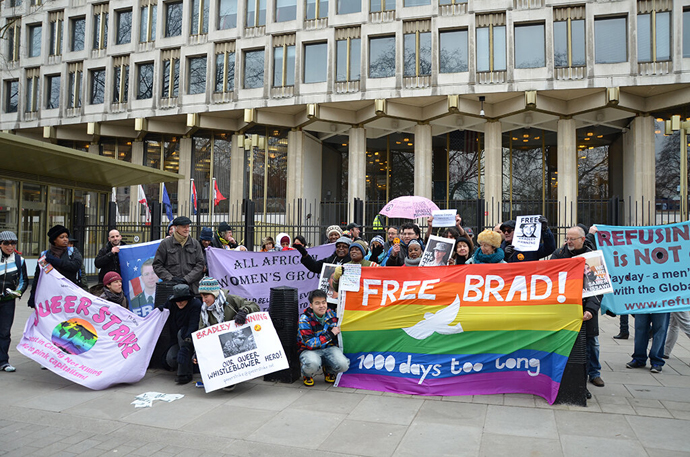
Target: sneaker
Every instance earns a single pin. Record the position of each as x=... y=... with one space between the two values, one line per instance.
x=329 y=378
x=308 y=381
x=634 y=364
x=229 y=388
x=656 y=369
x=622 y=336
x=8 y=368
x=597 y=381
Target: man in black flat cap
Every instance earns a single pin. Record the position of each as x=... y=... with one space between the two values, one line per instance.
x=179 y=258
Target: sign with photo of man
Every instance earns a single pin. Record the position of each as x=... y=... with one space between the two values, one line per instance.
x=527 y=233
x=438 y=251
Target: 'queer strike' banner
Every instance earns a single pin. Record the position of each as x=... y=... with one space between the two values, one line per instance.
x=649 y=267
x=228 y=353
x=86 y=339
x=138 y=278
x=252 y=274
x=480 y=329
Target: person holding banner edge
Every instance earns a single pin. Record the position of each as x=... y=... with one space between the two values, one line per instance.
x=14 y=284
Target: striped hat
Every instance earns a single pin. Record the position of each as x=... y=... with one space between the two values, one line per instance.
x=209 y=285
x=8 y=236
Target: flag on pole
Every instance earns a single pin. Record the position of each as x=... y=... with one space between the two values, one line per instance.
x=142 y=200
x=193 y=193
x=166 y=204
x=217 y=196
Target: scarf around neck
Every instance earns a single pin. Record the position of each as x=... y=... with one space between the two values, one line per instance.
x=180 y=239
x=480 y=257
x=412 y=262
x=216 y=308
x=57 y=251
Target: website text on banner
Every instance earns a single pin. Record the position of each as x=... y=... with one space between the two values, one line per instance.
x=229 y=353
x=484 y=329
x=649 y=267
x=87 y=339
x=252 y=274
x=138 y=278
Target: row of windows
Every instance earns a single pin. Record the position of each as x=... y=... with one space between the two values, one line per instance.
x=611 y=41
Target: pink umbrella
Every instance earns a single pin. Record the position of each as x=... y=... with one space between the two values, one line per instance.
x=409 y=207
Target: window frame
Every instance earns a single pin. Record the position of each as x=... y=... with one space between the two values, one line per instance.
x=100 y=28
x=246 y=53
x=190 y=61
x=177 y=5
x=226 y=80
x=141 y=66
x=73 y=30
x=601 y=20
x=118 y=35
x=50 y=86
x=417 y=54
x=56 y=26
x=170 y=82
x=349 y=57
x=34 y=51
x=523 y=26
x=312 y=45
x=492 y=30
x=380 y=38
x=120 y=84
x=9 y=96
x=97 y=85
x=447 y=32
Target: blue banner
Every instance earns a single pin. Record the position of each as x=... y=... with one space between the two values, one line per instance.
x=138 y=278
x=649 y=267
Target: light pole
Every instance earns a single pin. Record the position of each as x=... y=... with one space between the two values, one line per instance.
x=673 y=125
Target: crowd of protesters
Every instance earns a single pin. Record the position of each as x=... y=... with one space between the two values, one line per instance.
x=197 y=301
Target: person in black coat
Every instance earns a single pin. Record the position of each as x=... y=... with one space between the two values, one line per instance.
x=339 y=257
x=66 y=260
x=185 y=312
x=577 y=244
x=108 y=259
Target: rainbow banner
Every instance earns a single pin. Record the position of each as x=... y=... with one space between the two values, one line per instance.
x=462 y=330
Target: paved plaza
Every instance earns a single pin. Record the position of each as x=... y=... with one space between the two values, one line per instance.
x=636 y=414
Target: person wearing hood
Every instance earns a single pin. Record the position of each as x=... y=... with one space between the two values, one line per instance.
x=576 y=244
x=112 y=289
x=67 y=261
x=462 y=251
x=489 y=250
x=14 y=283
x=180 y=258
x=108 y=258
x=284 y=242
x=377 y=253
x=185 y=311
x=340 y=255
x=546 y=246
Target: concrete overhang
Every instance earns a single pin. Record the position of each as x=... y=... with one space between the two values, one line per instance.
x=29 y=159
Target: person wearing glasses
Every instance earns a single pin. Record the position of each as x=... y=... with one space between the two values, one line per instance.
x=546 y=246
x=14 y=282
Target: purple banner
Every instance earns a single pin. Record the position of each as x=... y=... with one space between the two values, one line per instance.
x=252 y=274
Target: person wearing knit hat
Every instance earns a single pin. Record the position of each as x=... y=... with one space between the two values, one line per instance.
x=333 y=232
x=223 y=239
x=358 y=250
x=65 y=259
x=377 y=253
x=268 y=244
x=14 y=283
x=112 y=289
x=489 y=250
x=205 y=240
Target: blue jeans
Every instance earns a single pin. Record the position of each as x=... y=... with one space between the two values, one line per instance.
x=6 y=319
x=658 y=323
x=332 y=357
x=593 y=365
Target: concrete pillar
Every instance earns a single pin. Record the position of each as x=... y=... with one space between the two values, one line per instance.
x=303 y=193
x=423 y=179
x=183 y=184
x=567 y=173
x=137 y=159
x=639 y=171
x=237 y=174
x=357 y=168
x=493 y=172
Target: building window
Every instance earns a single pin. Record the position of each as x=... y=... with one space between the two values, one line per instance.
x=569 y=37
x=74 y=85
x=491 y=43
x=147 y=30
x=56 y=21
x=36 y=2
x=284 y=63
x=686 y=33
x=227 y=14
x=173 y=19
x=32 y=83
x=97 y=86
x=253 y=69
x=145 y=81
x=408 y=3
x=376 y=6
x=171 y=77
x=124 y=27
x=286 y=10
x=225 y=69
x=200 y=17
x=417 y=54
x=382 y=57
x=15 y=3
x=11 y=96
x=349 y=6
x=348 y=59
x=315 y=62
x=610 y=40
x=35 y=32
x=453 y=51
x=100 y=26
x=53 y=91
x=316 y=9
x=13 y=28
x=451 y=2
x=254 y=19
x=530 y=48
x=653 y=35
x=197 y=75
x=78 y=32
x=121 y=86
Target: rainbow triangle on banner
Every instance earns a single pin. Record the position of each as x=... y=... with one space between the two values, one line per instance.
x=463 y=330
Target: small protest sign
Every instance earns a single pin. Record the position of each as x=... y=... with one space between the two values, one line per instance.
x=444 y=218
x=350 y=278
x=326 y=282
x=527 y=233
x=228 y=353
x=437 y=252
x=596 y=280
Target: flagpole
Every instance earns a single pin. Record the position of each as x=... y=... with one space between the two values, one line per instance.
x=212 y=200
